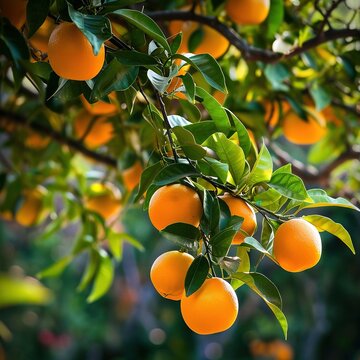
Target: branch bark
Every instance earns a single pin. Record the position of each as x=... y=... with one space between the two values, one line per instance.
x=249 y=52
x=9 y=117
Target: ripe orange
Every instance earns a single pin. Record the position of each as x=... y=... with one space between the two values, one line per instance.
x=175 y=203
x=304 y=132
x=132 y=175
x=272 y=111
x=29 y=212
x=239 y=207
x=297 y=245
x=105 y=199
x=247 y=12
x=100 y=107
x=212 y=42
x=36 y=141
x=40 y=39
x=211 y=309
x=15 y=11
x=168 y=273
x=71 y=55
x=101 y=130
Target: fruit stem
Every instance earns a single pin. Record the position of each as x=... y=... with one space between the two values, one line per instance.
x=207 y=252
x=167 y=125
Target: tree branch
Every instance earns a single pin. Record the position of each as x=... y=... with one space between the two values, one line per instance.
x=311 y=174
x=247 y=51
x=9 y=117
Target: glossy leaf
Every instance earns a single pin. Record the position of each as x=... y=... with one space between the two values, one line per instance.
x=289 y=185
x=228 y=153
x=215 y=110
x=173 y=173
x=103 y=278
x=185 y=235
x=56 y=269
x=96 y=28
x=196 y=274
x=90 y=270
x=323 y=223
x=266 y=289
x=146 y=24
x=36 y=13
x=147 y=177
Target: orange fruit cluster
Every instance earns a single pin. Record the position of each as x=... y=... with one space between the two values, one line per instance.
x=211 y=309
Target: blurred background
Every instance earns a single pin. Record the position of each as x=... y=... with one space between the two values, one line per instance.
x=133 y=322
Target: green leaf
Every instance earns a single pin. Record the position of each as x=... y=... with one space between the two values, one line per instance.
x=323 y=223
x=252 y=243
x=211 y=217
x=189 y=87
x=228 y=153
x=267 y=290
x=212 y=167
x=96 y=28
x=146 y=24
x=215 y=110
x=57 y=268
x=116 y=77
x=185 y=235
x=262 y=169
x=22 y=291
x=197 y=274
x=177 y=120
x=147 y=178
x=266 y=198
x=321 y=199
x=90 y=271
x=132 y=241
x=103 y=278
x=115 y=244
x=209 y=69
x=110 y=6
x=221 y=242
x=320 y=96
x=195 y=39
x=36 y=13
x=277 y=74
x=134 y=58
x=289 y=185
x=202 y=130
x=243 y=135
x=187 y=142
x=173 y=173
x=244 y=266
x=191 y=111
x=275 y=18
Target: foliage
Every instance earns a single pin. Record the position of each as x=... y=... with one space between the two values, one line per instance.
x=184 y=136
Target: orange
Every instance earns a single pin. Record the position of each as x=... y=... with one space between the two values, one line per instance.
x=15 y=11
x=71 y=54
x=239 y=207
x=297 y=245
x=132 y=175
x=31 y=208
x=247 y=12
x=304 y=132
x=100 y=107
x=36 y=141
x=212 y=42
x=211 y=309
x=101 y=130
x=168 y=273
x=175 y=203
x=272 y=111
x=40 y=39
x=105 y=199
x=280 y=350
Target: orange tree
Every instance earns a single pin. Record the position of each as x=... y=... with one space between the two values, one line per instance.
x=217 y=180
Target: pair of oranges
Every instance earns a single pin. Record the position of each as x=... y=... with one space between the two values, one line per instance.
x=213 y=307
